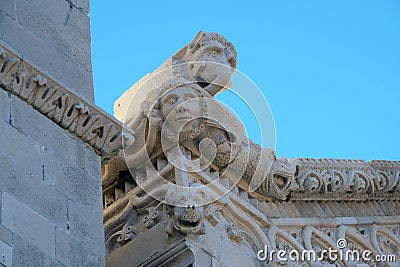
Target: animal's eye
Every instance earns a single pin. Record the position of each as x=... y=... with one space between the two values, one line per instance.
x=232 y=62
x=217 y=50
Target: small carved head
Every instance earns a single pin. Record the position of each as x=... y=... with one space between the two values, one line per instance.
x=185 y=212
x=211 y=59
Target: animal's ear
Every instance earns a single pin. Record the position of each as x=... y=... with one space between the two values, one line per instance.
x=180 y=54
x=196 y=39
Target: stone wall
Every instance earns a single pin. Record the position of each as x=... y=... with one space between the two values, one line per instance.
x=55 y=35
x=50 y=187
x=50 y=190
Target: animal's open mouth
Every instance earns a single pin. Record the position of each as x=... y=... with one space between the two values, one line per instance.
x=183 y=117
x=186 y=223
x=202 y=82
x=280 y=180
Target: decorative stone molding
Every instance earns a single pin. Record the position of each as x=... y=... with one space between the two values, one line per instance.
x=336 y=179
x=244 y=220
x=71 y=112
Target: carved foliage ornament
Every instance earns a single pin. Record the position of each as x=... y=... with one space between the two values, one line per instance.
x=351 y=179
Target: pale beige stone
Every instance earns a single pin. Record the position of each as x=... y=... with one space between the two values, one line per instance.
x=244 y=199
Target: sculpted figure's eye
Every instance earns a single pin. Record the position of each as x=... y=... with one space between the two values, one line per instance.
x=172 y=101
x=217 y=51
x=232 y=62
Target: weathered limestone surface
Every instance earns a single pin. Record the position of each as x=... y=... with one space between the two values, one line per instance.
x=50 y=187
x=55 y=35
x=49 y=199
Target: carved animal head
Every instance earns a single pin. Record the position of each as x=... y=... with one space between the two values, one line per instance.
x=211 y=59
x=185 y=212
x=282 y=173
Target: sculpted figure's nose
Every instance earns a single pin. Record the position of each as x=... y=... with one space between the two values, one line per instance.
x=181 y=108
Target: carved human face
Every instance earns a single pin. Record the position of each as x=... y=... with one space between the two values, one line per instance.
x=213 y=68
x=181 y=108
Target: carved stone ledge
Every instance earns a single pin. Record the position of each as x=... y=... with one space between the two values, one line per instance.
x=340 y=179
x=94 y=126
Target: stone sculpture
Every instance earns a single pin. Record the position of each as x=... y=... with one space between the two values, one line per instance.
x=204 y=68
x=226 y=185
x=185 y=214
x=235 y=155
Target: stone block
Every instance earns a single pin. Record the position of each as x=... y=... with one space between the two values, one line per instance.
x=8 y=7
x=4 y=106
x=74 y=183
x=80 y=23
x=27 y=255
x=23 y=221
x=43 y=199
x=58 y=143
x=5 y=235
x=54 y=11
x=22 y=176
x=50 y=23
x=86 y=224
x=22 y=149
x=72 y=252
x=5 y=254
x=48 y=58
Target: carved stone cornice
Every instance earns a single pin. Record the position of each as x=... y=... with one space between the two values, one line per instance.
x=341 y=179
x=92 y=125
x=244 y=220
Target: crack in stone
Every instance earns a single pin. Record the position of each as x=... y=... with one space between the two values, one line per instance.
x=43 y=172
x=71 y=6
x=9 y=109
x=67 y=216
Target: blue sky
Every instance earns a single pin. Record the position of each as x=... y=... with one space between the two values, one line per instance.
x=330 y=70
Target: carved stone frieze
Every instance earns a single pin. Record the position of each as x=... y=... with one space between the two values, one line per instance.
x=71 y=112
x=346 y=179
x=244 y=222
